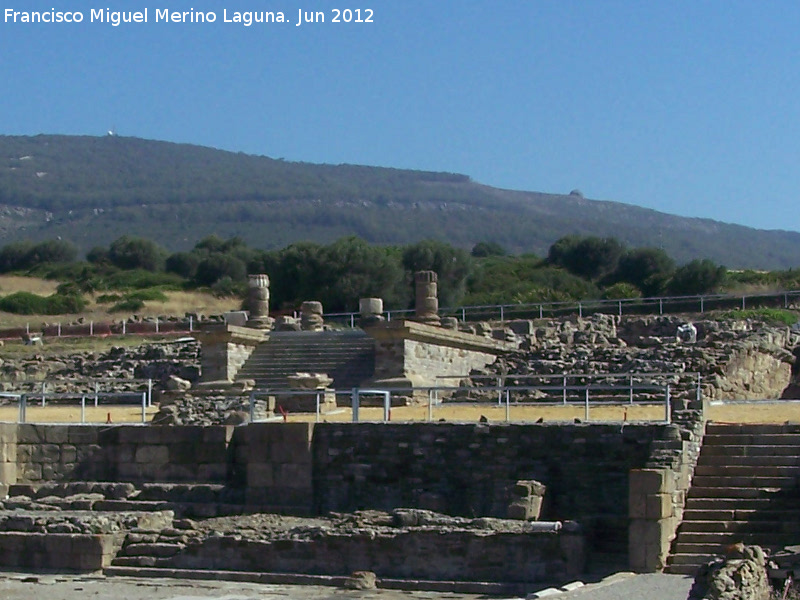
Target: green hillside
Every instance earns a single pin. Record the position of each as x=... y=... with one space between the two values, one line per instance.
x=92 y=190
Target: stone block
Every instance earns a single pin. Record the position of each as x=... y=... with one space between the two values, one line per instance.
x=260 y=475
x=293 y=476
x=659 y=506
x=213 y=472
x=69 y=453
x=649 y=481
x=8 y=472
x=8 y=433
x=30 y=472
x=8 y=452
x=152 y=454
x=56 y=434
x=29 y=434
x=82 y=434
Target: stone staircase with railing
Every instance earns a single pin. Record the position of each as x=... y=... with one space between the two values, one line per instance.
x=745 y=489
x=348 y=357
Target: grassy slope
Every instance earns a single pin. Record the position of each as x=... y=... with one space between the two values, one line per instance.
x=93 y=190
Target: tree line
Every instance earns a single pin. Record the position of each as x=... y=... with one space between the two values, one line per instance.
x=338 y=274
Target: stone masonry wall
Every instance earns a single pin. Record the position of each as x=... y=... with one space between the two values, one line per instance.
x=126 y=453
x=469 y=470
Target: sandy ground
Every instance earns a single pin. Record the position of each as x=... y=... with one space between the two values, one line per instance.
x=454 y=413
x=66 y=587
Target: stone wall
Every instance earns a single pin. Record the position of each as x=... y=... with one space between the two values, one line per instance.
x=225 y=349
x=469 y=470
x=429 y=554
x=57 y=552
x=274 y=463
x=415 y=354
x=126 y=453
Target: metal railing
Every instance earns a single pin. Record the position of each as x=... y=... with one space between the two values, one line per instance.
x=35 y=388
x=585 y=395
x=654 y=305
x=92 y=328
x=23 y=401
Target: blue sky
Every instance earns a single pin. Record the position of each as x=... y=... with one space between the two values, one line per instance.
x=688 y=107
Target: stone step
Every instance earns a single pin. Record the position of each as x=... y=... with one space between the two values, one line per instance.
x=762 y=465
x=710 y=462
x=752 y=439
x=730 y=453
x=694 y=559
x=765 y=539
x=737 y=481
x=705 y=549
x=734 y=513
x=729 y=503
x=684 y=569
x=729 y=526
x=737 y=492
x=751 y=428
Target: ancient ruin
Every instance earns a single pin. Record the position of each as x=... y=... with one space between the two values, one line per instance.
x=217 y=482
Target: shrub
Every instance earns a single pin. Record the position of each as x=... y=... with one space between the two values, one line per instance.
x=108 y=298
x=772 y=316
x=128 y=305
x=147 y=295
x=25 y=303
x=621 y=291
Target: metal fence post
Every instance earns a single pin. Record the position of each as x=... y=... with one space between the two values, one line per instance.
x=508 y=405
x=502 y=314
x=59 y=329
x=580 y=310
x=463 y=315
x=564 y=390
x=630 y=399
x=252 y=406
x=742 y=302
x=586 y=403
x=354 y=399
x=96 y=391
x=144 y=408
x=620 y=308
x=191 y=323
x=702 y=307
x=149 y=392
x=156 y=324
x=667 y=408
x=91 y=327
x=83 y=409
x=23 y=405
x=661 y=306
x=541 y=311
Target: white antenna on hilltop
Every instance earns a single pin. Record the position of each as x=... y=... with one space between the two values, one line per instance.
x=112 y=132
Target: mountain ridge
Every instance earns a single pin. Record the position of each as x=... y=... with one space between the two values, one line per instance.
x=92 y=190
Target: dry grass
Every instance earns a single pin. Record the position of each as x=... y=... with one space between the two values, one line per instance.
x=72 y=414
x=10 y=284
x=453 y=413
x=471 y=413
x=177 y=304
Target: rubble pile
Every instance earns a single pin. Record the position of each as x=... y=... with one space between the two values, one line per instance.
x=736 y=359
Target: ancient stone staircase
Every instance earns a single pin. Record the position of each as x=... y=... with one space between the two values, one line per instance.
x=346 y=356
x=745 y=489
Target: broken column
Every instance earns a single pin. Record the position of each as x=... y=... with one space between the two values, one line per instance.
x=311 y=316
x=427 y=300
x=258 y=302
x=526 y=502
x=370 y=311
